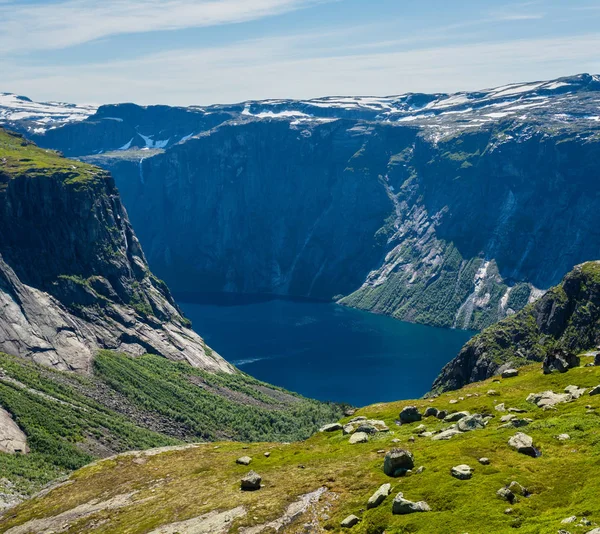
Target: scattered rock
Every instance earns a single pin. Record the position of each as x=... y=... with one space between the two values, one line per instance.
x=563 y=437
x=559 y=360
x=575 y=392
x=493 y=393
x=350 y=521
x=349 y=412
x=597 y=359
x=518 y=489
x=548 y=398
x=462 y=472
x=362 y=424
x=431 y=412
x=411 y=439
x=507 y=418
x=402 y=506
x=517 y=410
x=397 y=462
x=358 y=437
x=500 y=407
x=419 y=470
x=595 y=391
x=456 y=416
x=410 y=414
x=524 y=444
x=507 y=495
x=453 y=401
x=379 y=496
x=442 y=414
x=251 y=481
x=267 y=454
x=471 y=422
x=510 y=373
x=446 y=434
x=484 y=461
x=332 y=427
x=569 y=520
x=244 y=460
x=395 y=440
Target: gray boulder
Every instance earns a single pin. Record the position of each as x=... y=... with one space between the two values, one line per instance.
x=251 y=482
x=595 y=391
x=431 y=412
x=446 y=434
x=358 y=437
x=471 y=422
x=560 y=361
x=548 y=399
x=397 y=462
x=507 y=495
x=510 y=373
x=402 y=506
x=244 y=460
x=379 y=496
x=350 y=521
x=524 y=444
x=518 y=489
x=331 y=427
x=462 y=472
x=442 y=414
x=456 y=416
x=484 y=461
x=410 y=414
x=575 y=392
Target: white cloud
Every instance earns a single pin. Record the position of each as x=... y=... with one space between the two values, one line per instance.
x=277 y=68
x=42 y=26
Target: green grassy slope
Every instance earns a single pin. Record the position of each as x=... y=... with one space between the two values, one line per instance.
x=137 y=403
x=179 y=485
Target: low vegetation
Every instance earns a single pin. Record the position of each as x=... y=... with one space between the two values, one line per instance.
x=179 y=485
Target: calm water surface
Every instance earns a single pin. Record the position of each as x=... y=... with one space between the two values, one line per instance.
x=325 y=351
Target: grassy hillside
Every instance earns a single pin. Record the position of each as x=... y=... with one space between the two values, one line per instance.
x=138 y=493
x=139 y=403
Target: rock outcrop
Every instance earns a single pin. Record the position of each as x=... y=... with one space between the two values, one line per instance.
x=73 y=276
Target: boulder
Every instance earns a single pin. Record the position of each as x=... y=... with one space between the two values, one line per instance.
x=331 y=427
x=431 y=412
x=492 y=393
x=548 y=398
x=500 y=407
x=397 y=462
x=402 y=506
x=442 y=414
x=420 y=429
x=563 y=437
x=456 y=416
x=446 y=434
x=471 y=422
x=244 y=460
x=484 y=461
x=595 y=391
x=560 y=361
x=366 y=428
x=462 y=472
x=362 y=424
x=350 y=521
x=410 y=414
x=379 y=496
x=575 y=392
x=597 y=359
x=517 y=489
x=510 y=373
x=251 y=482
x=358 y=437
x=507 y=495
x=524 y=444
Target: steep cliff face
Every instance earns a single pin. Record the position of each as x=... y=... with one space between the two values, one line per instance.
x=449 y=210
x=73 y=277
x=566 y=317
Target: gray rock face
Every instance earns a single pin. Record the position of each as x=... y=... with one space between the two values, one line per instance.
x=402 y=506
x=462 y=472
x=251 y=482
x=379 y=496
x=74 y=279
x=397 y=462
x=560 y=361
x=524 y=444
x=410 y=414
x=12 y=438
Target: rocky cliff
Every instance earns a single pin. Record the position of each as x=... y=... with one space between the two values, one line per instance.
x=566 y=318
x=73 y=277
x=452 y=210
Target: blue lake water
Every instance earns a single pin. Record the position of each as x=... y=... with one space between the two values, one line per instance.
x=325 y=351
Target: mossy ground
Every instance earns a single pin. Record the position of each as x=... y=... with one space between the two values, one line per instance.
x=178 y=485
x=19 y=157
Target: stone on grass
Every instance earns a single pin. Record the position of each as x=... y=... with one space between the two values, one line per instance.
x=492 y=393
x=597 y=359
x=446 y=434
x=267 y=454
x=251 y=481
x=548 y=398
x=471 y=422
x=569 y=520
x=507 y=495
x=563 y=437
x=442 y=414
x=402 y=506
x=244 y=460
x=410 y=414
x=397 y=462
x=560 y=361
x=431 y=412
x=331 y=427
x=350 y=521
x=358 y=437
x=575 y=392
x=595 y=391
x=456 y=416
x=518 y=489
x=523 y=444
x=500 y=407
x=510 y=373
x=484 y=461
x=379 y=496
x=462 y=472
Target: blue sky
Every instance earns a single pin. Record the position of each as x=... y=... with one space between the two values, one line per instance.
x=216 y=51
